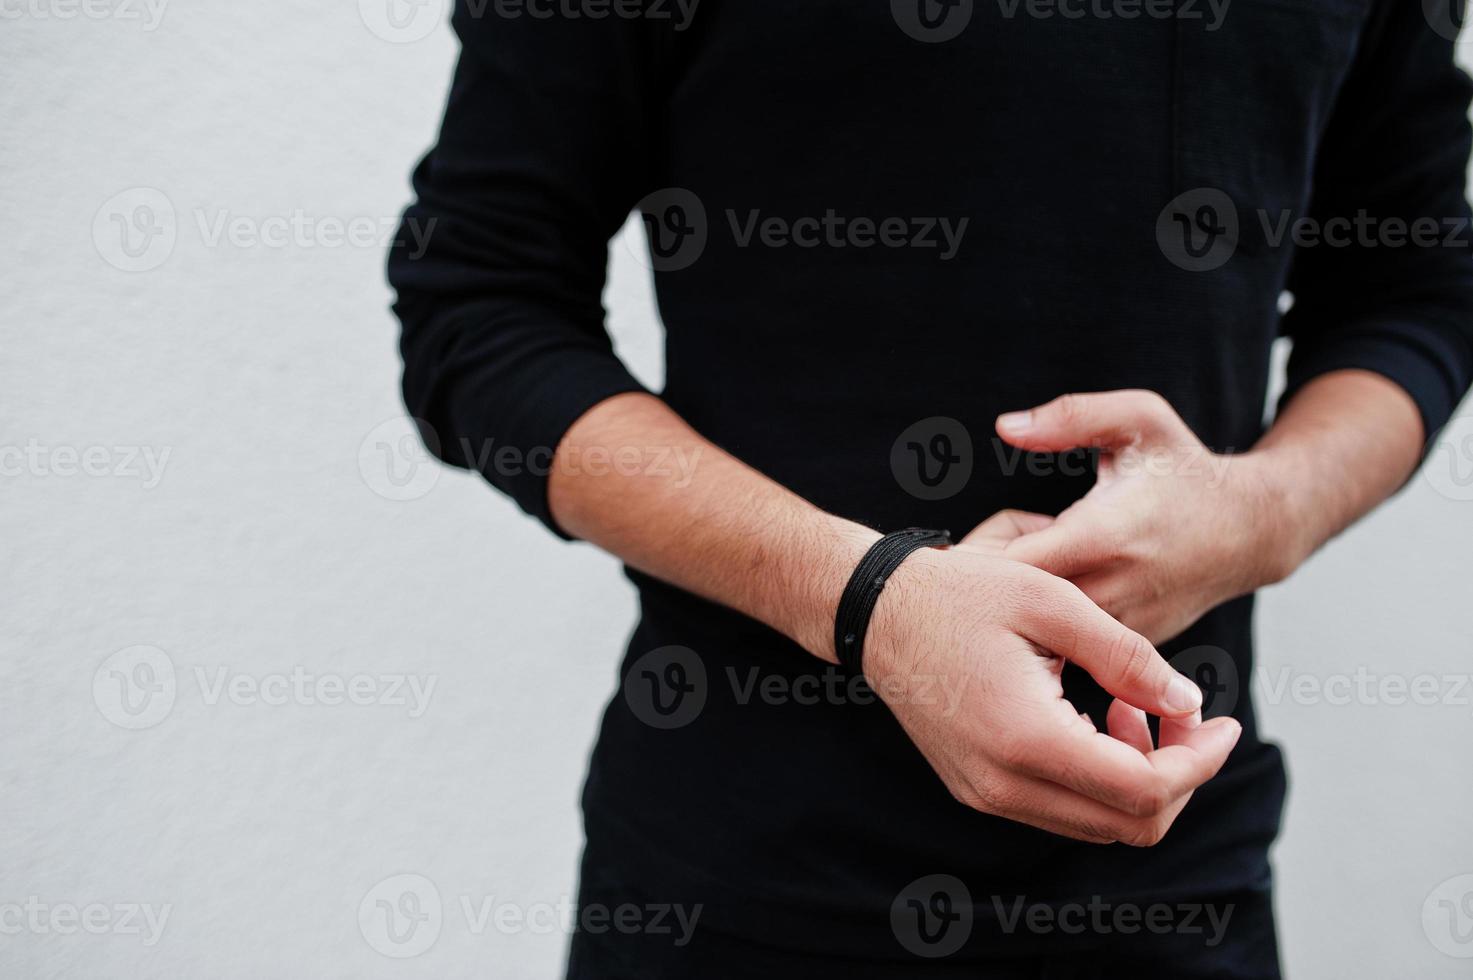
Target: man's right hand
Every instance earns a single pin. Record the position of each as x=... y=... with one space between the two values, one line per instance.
x=1005 y=740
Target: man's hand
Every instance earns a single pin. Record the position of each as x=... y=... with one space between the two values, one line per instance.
x=1171 y=529
x=996 y=633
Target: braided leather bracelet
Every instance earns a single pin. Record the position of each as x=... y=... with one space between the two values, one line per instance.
x=857 y=603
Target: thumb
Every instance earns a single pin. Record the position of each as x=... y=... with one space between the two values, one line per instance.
x=1067 y=548
x=1005 y=526
x=1120 y=660
x=1105 y=420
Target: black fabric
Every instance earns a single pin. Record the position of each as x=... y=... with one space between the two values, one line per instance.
x=1220 y=937
x=1067 y=145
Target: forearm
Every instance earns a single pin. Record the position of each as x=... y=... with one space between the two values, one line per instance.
x=716 y=527
x=967 y=619
x=1343 y=444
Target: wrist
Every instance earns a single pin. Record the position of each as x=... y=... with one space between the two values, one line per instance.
x=1279 y=519
x=811 y=579
x=904 y=591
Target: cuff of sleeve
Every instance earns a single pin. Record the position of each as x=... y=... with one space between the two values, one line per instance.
x=533 y=419
x=1428 y=362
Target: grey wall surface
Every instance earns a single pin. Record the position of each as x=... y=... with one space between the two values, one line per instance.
x=261 y=659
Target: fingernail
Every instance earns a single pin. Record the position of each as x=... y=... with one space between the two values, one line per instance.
x=1015 y=421
x=1183 y=695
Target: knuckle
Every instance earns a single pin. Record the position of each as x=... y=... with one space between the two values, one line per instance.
x=1070 y=409
x=1048 y=592
x=1131 y=659
x=983 y=793
x=1013 y=750
x=999 y=799
x=1099 y=830
x=1102 y=595
x=1113 y=540
x=1150 y=802
x=1146 y=834
x=967 y=797
x=1027 y=594
x=965 y=791
x=1145 y=402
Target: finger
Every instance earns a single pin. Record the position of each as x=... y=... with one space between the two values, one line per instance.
x=1120 y=776
x=1174 y=731
x=1048 y=806
x=1066 y=549
x=1007 y=525
x=1107 y=420
x=1109 y=591
x=1128 y=724
x=1062 y=619
x=1058 y=810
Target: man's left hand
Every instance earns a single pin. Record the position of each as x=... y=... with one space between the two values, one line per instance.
x=1170 y=529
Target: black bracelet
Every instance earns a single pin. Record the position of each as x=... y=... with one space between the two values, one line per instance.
x=863 y=591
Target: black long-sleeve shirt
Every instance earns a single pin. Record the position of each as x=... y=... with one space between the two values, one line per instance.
x=1105 y=200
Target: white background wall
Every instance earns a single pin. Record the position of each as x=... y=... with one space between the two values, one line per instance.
x=269 y=543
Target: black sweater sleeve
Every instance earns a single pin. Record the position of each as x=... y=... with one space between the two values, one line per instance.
x=1395 y=152
x=540 y=157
